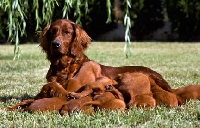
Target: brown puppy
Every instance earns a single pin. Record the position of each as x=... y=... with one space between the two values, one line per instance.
x=51 y=89
x=74 y=104
x=64 y=37
x=111 y=99
x=131 y=85
x=20 y=106
x=40 y=105
x=188 y=92
x=93 y=87
x=89 y=72
x=98 y=87
x=47 y=104
x=163 y=97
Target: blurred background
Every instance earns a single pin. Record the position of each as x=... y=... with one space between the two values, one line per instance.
x=103 y=20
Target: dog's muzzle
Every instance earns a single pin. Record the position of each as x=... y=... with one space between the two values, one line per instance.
x=56 y=44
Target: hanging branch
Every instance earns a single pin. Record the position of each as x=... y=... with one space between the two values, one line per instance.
x=108 y=5
x=127 y=23
x=17 y=10
x=16 y=23
x=66 y=8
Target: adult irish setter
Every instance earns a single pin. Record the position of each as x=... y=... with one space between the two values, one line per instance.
x=64 y=38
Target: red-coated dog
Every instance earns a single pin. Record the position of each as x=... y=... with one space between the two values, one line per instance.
x=65 y=38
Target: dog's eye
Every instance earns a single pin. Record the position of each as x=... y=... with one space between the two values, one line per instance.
x=66 y=32
x=52 y=31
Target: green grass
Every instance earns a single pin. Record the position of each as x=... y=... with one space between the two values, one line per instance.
x=23 y=78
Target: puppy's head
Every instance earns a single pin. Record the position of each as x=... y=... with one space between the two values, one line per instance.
x=102 y=84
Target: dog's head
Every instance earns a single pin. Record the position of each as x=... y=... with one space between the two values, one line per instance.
x=64 y=37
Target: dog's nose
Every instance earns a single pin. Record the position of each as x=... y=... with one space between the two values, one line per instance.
x=56 y=44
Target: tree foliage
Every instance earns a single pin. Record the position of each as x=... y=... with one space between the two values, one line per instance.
x=20 y=15
x=140 y=17
x=148 y=16
x=185 y=18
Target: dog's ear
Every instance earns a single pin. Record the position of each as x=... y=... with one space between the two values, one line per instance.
x=44 y=42
x=81 y=41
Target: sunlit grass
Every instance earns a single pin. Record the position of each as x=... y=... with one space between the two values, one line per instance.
x=177 y=62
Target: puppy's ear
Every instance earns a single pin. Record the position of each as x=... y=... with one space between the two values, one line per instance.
x=114 y=82
x=44 y=42
x=118 y=77
x=81 y=41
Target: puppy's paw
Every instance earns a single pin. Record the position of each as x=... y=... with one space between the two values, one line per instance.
x=109 y=87
x=72 y=95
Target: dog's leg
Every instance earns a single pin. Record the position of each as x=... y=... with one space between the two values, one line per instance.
x=22 y=105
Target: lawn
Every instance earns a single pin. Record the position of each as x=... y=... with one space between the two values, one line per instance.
x=179 y=64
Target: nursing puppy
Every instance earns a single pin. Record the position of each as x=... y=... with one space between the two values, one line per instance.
x=74 y=105
x=47 y=104
x=161 y=96
x=104 y=94
x=93 y=87
x=111 y=99
x=89 y=72
x=190 y=92
x=20 y=106
x=51 y=89
x=132 y=85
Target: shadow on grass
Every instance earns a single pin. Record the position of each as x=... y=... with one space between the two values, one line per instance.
x=23 y=97
x=9 y=57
